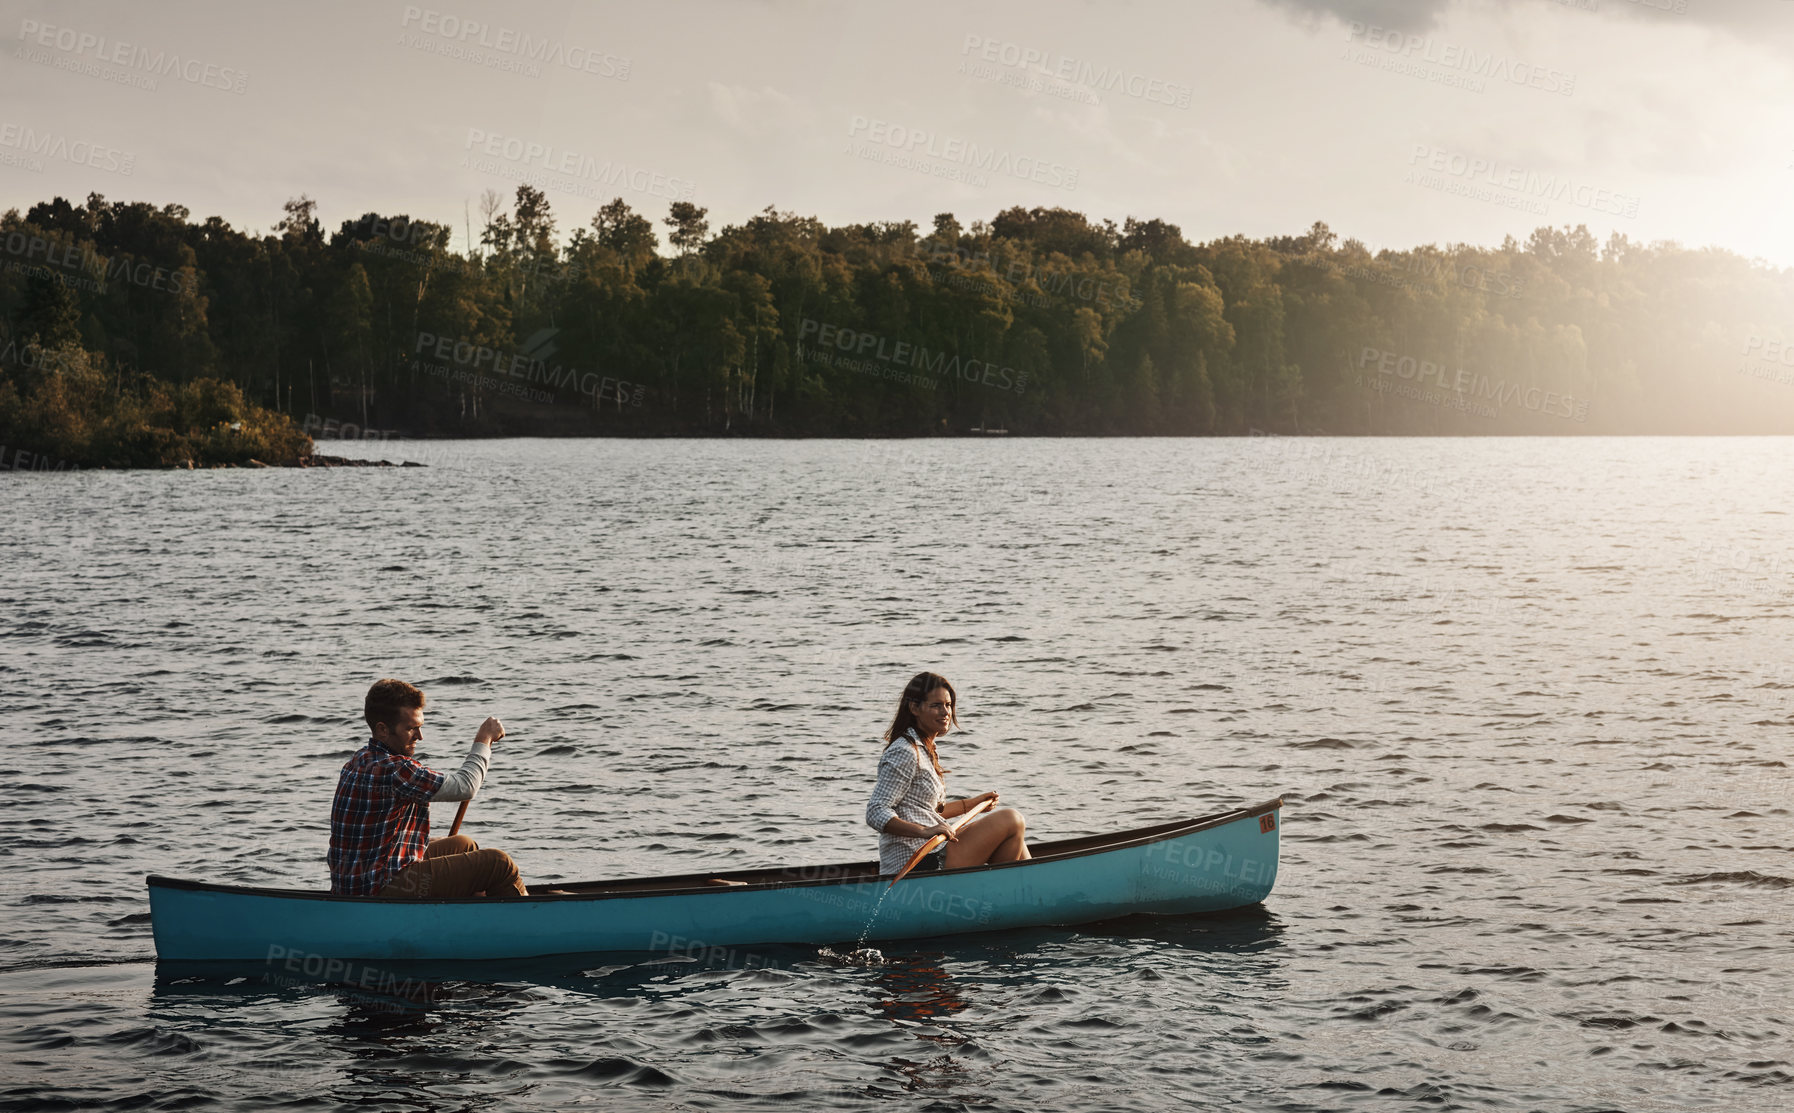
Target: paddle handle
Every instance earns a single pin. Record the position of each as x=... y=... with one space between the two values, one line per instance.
x=936 y=840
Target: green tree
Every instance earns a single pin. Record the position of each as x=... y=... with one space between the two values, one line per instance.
x=48 y=314
x=689 y=226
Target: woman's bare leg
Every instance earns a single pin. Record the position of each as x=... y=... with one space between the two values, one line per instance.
x=989 y=839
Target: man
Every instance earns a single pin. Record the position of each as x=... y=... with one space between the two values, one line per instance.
x=380 y=821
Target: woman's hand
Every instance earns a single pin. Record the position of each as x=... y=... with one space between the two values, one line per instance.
x=961 y=807
x=941 y=828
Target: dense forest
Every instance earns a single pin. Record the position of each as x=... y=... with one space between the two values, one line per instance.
x=133 y=334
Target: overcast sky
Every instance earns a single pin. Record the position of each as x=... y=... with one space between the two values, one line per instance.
x=1397 y=122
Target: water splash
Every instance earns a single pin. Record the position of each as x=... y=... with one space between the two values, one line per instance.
x=860 y=943
x=861 y=955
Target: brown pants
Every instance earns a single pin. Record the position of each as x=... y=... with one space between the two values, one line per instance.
x=457 y=867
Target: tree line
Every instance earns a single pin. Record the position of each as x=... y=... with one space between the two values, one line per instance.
x=121 y=315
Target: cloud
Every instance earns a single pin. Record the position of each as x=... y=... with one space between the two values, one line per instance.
x=1402 y=15
x=1744 y=18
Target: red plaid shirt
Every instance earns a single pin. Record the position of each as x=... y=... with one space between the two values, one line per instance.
x=380 y=820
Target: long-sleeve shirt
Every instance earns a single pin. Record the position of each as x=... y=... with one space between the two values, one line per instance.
x=908 y=788
x=380 y=818
x=464 y=782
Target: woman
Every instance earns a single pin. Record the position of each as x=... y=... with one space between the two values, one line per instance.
x=906 y=806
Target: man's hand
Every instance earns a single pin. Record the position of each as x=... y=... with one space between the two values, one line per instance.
x=490 y=731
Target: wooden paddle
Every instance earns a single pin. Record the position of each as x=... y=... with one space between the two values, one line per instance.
x=970 y=814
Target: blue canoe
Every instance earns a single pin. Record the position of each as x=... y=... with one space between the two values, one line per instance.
x=1211 y=864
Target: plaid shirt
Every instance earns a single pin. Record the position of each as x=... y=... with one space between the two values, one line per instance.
x=380 y=820
x=909 y=788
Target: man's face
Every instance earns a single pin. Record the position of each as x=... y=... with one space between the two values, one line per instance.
x=402 y=735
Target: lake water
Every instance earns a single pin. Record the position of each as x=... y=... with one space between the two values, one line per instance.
x=1527 y=701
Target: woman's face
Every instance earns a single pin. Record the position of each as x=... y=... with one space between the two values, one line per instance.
x=934 y=711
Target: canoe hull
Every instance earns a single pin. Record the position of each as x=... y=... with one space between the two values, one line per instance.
x=1222 y=862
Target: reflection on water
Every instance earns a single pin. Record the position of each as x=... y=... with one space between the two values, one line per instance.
x=425 y=1029
x=915 y=988
x=916 y=992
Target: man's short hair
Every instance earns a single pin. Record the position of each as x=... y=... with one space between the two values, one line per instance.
x=389 y=697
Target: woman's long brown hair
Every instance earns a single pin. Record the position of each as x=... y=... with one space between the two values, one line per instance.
x=905 y=720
